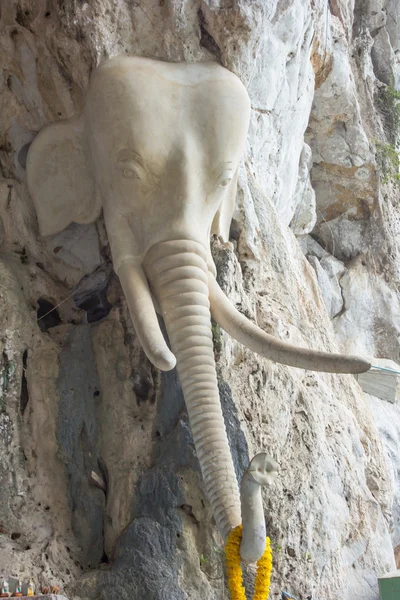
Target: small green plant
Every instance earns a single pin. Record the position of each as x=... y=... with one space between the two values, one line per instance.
x=388 y=102
x=213 y=566
x=387 y=154
x=3 y=389
x=217 y=337
x=388 y=161
x=6 y=373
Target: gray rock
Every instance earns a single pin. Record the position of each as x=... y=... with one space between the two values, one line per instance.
x=78 y=441
x=90 y=293
x=145 y=566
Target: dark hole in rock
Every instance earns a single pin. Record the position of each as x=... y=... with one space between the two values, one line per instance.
x=22 y=154
x=188 y=510
x=206 y=39
x=23 y=16
x=104 y=559
x=96 y=393
x=2 y=232
x=235 y=230
x=104 y=473
x=24 y=395
x=144 y=388
x=23 y=255
x=15 y=536
x=47 y=315
x=91 y=294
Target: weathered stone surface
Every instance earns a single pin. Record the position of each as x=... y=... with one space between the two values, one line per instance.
x=78 y=440
x=45 y=597
x=304 y=217
x=357 y=216
x=343 y=174
x=77 y=246
x=387 y=420
x=90 y=293
x=331 y=511
x=327 y=275
x=393 y=28
x=370 y=321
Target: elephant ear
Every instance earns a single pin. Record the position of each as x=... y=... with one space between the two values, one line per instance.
x=59 y=178
x=223 y=217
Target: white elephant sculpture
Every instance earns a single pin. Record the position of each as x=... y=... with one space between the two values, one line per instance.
x=157 y=148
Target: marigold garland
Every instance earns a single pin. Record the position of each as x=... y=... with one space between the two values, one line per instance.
x=234 y=569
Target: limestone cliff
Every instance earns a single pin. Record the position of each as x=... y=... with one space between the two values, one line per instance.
x=312 y=258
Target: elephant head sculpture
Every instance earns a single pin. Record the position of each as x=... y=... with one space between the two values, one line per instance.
x=157 y=149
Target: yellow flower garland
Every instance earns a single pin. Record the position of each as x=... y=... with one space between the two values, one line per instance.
x=234 y=569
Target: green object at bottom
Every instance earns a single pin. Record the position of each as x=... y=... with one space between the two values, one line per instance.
x=389 y=586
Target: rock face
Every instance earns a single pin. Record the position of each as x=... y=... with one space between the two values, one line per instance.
x=387 y=420
x=77 y=394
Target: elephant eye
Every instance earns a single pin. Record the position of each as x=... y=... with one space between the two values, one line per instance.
x=224 y=179
x=130 y=173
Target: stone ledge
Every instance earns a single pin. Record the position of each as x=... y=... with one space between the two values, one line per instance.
x=42 y=597
x=382 y=384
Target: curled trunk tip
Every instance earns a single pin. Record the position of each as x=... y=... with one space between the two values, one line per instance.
x=262 y=471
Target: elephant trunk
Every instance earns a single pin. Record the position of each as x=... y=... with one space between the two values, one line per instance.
x=262 y=471
x=178 y=276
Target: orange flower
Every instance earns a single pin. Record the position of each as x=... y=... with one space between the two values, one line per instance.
x=234 y=569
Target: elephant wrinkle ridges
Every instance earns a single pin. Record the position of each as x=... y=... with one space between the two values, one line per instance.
x=158 y=147
x=182 y=294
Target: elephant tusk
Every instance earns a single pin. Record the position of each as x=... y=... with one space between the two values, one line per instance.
x=143 y=315
x=254 y=338
x=261 y=471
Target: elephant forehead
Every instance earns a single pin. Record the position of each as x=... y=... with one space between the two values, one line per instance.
x=157 y=108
